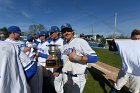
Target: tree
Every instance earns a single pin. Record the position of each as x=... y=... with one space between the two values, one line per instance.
x=122 y=37
x=98 y=36
x=5 y=31
x=35 y=27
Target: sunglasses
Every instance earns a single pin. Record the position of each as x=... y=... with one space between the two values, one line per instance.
x=66 y=30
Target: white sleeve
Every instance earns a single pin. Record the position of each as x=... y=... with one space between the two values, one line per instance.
x=87 y=50
x=30 y=67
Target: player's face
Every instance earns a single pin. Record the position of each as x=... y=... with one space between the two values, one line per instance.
x=16 y=35
x=36 y=36
x=136 y=37
x=68 y=35
x=42 y=38
x=54 y=35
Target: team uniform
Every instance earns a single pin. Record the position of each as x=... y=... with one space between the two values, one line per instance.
x=59 y=41
x=58 y=84
x=74 y=72
x=25 y=60
x=42 y=49
x=19 y=43
x=130 y=65
x=32 y=51
x=36 y=81
x=37 y=41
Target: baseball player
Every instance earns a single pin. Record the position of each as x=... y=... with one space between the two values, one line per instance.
x=14 y=35
x=36 y=81
x=2 y=36
x=76 y=53
x=36 y=37
x=33 y=50
x=43 y=55
x=57 y=75
x=30 y=66
x=42 y=49
x=130 y=64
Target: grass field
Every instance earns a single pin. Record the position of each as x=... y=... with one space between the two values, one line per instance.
x=96 y=82
x=108 y=57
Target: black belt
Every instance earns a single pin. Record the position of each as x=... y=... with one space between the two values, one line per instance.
x=69 y=74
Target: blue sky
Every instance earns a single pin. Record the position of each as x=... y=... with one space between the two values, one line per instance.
x=83 y=15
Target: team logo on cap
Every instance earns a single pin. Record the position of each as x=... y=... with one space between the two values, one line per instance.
x=65 y=25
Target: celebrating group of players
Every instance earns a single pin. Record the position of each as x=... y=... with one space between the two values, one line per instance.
x=24 y=67
x=75 y=54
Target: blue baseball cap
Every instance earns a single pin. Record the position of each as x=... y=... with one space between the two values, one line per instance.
x=42 y=33
x=36 y=33
x=54 y=29
x=15 y=29
x=82 y=34
x=66 y=25
x=30 y=38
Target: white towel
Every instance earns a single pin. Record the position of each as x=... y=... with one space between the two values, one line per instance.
x=130 y=53
x=12 y=77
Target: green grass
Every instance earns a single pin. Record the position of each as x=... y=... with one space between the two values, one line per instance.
x=108 y=57
x=96 y=82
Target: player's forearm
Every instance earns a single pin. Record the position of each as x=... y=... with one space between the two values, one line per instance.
x=42 y=55
x=87 y=59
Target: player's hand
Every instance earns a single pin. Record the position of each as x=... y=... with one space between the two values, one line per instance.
x=36 y=54
x=72 y=55
x=56 y=74
x=86 y=76
x=49 y=57
x=26 y=49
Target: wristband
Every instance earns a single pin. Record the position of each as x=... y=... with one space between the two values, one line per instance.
x=76 y=58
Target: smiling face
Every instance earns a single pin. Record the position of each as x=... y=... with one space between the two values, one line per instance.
x=42 y=38
x=54 y=35
x=67 y=34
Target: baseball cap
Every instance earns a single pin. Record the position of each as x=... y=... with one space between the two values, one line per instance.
x=30 y=38
x=42 y=33
x=66 y=25
x=82 y=34
x=36 y=33
x=54 y=29
x=15 y=29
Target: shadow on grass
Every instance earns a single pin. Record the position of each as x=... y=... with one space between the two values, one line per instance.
x=99 y=76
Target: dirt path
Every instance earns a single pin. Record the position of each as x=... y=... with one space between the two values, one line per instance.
x=110 y=71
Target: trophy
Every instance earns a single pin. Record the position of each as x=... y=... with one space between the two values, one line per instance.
x=54 y=51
